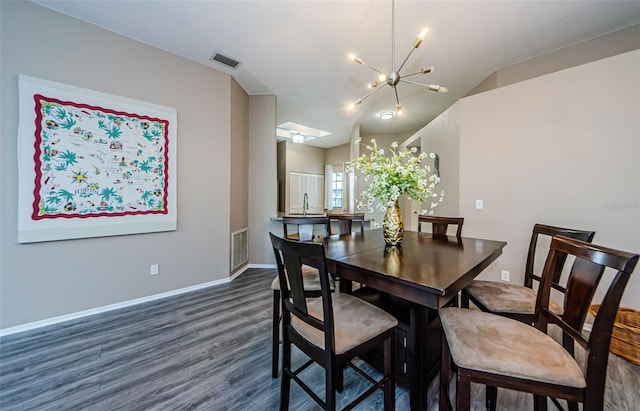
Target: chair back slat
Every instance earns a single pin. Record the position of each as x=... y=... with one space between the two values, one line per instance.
x=581 y=286
x=293 y=266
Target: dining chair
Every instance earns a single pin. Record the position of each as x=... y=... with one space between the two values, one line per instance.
x=304 y=227
x=502 y=352
x=303 y=232
x=439 y=225
x=331 y=329
x=518 y=301
x=345 y=222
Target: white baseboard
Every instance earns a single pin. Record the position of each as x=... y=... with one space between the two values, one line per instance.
x=98 y=310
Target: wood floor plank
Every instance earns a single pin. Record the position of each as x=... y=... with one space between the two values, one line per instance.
x=208 y=349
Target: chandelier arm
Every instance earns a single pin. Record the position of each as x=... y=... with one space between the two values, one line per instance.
x=432 y=87
x=413 y=74
x=373 y=68
x=414 y=83
x=405 y=60
x=395 y=89
x=372 y=92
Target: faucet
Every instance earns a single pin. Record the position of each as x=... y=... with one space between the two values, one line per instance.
x=305 y=204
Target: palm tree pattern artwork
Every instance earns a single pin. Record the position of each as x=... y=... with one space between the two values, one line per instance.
x=93 y=162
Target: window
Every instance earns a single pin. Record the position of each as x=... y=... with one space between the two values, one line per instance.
x=337 y=181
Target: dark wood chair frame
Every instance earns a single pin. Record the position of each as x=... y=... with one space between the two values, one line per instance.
x=529 y=274
x=305 y=233
x=439 y=225
x=345 y=222
x=292 y=255
x=585 y=275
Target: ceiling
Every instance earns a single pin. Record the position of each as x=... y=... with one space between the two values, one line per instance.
x=298 y=50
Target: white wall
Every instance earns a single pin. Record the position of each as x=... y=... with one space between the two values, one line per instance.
x=561 y=149
x=43 y=280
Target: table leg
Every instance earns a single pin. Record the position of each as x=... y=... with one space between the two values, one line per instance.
x=346 y=286
x=415 y=358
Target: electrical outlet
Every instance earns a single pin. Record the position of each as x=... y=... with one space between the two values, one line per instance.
x=479 y=204
x=505 y=275
x=153 y=270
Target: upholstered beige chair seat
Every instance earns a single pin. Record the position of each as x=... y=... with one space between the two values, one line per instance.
x=491 y=343
x=500 y=297
x=311 y=280
x=355 y=322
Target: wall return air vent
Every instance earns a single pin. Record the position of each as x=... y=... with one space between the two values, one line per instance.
x=227 y=61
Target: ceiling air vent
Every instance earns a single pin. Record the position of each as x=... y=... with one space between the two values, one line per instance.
x=227 y=61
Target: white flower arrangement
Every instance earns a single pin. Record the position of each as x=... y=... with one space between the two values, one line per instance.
x=392 y=176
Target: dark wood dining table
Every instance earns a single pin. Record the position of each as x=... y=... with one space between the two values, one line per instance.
x=426 y=272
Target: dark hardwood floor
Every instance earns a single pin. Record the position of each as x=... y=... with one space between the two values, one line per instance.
x=208 y=350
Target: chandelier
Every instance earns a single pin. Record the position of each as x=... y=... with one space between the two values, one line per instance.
x=394 y=78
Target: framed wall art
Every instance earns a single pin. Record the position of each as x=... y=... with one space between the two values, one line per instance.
x=92 y=164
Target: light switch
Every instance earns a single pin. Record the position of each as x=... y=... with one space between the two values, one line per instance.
x=479 y=204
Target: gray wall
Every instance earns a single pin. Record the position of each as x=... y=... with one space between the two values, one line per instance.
x=239 y=175
x=44 y=280
x=262 y=179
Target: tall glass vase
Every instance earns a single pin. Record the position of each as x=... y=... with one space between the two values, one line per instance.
x=392 y=227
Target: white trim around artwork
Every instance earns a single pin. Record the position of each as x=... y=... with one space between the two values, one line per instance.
x=106 y=165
